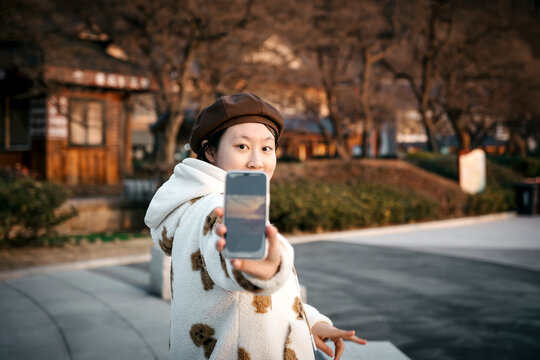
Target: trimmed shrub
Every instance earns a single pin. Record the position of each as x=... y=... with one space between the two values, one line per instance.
x=315 y=206
x=446 y=165
x=525 y=166
x=443 y=165
x=493 y=199
x=501 y=176
x=28 y=209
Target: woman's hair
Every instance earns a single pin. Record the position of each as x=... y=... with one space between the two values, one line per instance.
x=212 y=143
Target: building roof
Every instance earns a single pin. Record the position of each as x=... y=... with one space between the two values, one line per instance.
x=305 y=126
x=74 y=61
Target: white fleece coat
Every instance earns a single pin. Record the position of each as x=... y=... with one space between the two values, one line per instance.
x=218 y=312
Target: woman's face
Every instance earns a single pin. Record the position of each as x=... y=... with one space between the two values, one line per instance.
x=248 y=146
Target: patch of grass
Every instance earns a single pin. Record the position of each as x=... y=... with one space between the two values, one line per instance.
x=91 y=238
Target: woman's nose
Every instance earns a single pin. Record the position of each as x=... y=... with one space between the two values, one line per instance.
x=255 y=161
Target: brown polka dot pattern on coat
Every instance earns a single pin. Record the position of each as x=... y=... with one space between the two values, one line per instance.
x=243 y=354
x=262 y=303
x=172 y=278
x=298 y=309
x=211 y=220
x=165 y=242
x=288 y=353
x=245 y=283
x=223 y=265
x=202 y=335
x=198 y=264
x=194 y=200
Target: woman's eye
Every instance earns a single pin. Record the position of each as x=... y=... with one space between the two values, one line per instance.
x=267 y=148
x=241 y=146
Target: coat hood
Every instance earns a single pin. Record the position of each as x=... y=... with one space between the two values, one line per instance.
x=191 y=178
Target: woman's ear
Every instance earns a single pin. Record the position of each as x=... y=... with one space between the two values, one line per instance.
x=208 y=153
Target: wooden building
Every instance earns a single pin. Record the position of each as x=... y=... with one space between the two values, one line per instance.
x=303 y=140
x=72 y=124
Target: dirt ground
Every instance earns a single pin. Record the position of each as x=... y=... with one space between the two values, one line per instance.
x=17 y=258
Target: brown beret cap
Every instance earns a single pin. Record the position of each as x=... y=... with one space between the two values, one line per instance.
x=231 y=110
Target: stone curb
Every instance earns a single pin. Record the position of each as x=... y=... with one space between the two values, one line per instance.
x=393 y=229
x=75 y=265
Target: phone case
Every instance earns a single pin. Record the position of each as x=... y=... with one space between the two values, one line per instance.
x=249 y=255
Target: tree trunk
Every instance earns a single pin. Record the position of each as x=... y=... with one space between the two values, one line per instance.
x=169 y=140
x=342 y=150
x=365 y=103
x=519 y=143
x=432 y=143
x=338 y=136
x=463 y=136
x=428 y=70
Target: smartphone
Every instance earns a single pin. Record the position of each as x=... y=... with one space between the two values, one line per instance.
x=246 y=214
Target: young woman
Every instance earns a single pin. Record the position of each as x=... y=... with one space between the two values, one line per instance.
x=222 y=308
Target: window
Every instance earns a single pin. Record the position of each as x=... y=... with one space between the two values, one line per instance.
x=86 y=122
x=14 y=124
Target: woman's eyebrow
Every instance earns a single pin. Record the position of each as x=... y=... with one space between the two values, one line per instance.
x=246 y=137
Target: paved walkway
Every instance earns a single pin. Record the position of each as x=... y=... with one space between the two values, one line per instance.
x=445 y=290
x=500 y=238
x=405 y=290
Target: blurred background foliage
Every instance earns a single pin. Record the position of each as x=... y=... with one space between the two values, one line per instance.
x=466 y=68
x=28 y=209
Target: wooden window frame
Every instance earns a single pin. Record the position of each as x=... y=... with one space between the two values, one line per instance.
x=103 y=122
x=6 y=124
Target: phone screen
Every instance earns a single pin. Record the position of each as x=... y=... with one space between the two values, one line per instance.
x=245 y=214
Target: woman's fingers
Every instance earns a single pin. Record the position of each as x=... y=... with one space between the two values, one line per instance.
x=323 y=347
x=340 y=347
x=237 y=263
x=271 y=234
x=221 y=230
x=357 y=340
x=220 y=244
x=263 y=269
x=219 y=211
x=274 y=246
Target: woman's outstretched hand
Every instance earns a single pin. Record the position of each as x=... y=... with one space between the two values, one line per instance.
x=263 y=269
x=322 y=330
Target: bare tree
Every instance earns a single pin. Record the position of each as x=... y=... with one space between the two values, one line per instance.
x=484 y=56
x=429 y=28
x=333 y=37
x=163 y=37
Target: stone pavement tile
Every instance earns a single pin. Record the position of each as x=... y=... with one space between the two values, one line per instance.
x=373 y=350
x=34 y=352
x=523 y=258
x=132 y=275
x=429 y=306
x=100 y=317
x=147 y=315
x=27 y=331
x=132 y=352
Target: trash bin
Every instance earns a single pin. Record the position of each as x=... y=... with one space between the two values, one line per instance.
x=528 y=197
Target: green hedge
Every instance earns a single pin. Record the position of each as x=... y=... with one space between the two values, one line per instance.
x=314 y=206
x=499 y=170
x=501 y=179
x=28 y=209
x=443 y=165
x=525 y=166
x=493 y=199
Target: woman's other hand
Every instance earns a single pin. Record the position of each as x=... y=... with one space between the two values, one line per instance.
x=264 y=269
x=322 y=330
